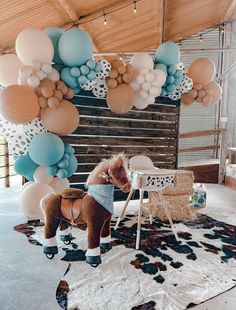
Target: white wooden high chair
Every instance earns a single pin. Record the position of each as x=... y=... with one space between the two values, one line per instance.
x=146 y=177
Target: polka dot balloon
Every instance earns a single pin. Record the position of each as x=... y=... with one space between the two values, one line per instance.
x=100 y=89
x=19 y=144
x=34 y=127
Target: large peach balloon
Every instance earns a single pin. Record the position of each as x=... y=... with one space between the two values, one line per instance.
x=9 y=67
x=63 y=120
x=121 y=99
x=215 y=90
x=18 y=104
x=202 y=71
x=186 y=100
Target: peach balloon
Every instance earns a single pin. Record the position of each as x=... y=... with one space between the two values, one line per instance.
x=206 y=100
x=201 y=93
x=192 y=93
x=121 y=69
x=63 y=120
x=116 y=63
x=202 y=71
x=215 y=91
x=197 y=86
x=121 y=99
x=112 y=83
x=127 y=78
x=119 y=79
x=18 y=104
x=43 y=102
x=69 y=94
x=199 y=99
x=113 y=74
x=186 y=100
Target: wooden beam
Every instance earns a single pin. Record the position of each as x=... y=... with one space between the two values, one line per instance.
x=201 y=133
x=198 y=148
x=66 y=8
x=228 y=12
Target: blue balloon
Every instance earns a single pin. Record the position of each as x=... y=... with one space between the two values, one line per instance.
x=62 y=174
x=58 y=67
x=179 y=73
x=63 y=163
x=163 y=92
x=69 y=150
x=161 y=67
x=29 y=177
x=82 y=79
x=76 y=90
x=75 y=72
x=69 y=80
x=168 y=53
x=52 y=170
x=91 y=63
x=92 y=75
x=170 y=79
x=24 y=165
x=84 y=70
x=75 y=47
x=171 y=69
x=66 y=156
x=97 y=68
x=46 y=149
x=178 y=80
x=73 y=164
x=55 y=34
x=170 y=88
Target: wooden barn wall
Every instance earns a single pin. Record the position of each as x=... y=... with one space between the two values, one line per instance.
x=101 y=133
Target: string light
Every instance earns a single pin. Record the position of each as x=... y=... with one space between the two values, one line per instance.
x=105 y=20
x=135 y=8
x=201 y=38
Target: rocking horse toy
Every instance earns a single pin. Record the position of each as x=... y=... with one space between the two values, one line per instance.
x=95 y=208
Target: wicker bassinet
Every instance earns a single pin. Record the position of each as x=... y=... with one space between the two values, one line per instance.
x=177 y=198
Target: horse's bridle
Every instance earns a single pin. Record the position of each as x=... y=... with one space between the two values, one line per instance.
x=110 y=179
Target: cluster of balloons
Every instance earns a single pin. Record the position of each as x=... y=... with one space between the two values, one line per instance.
x=205 y=91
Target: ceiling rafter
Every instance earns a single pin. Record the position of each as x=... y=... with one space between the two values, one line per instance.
x=65 y=7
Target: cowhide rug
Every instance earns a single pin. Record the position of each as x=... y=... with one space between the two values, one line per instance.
x=163 y=274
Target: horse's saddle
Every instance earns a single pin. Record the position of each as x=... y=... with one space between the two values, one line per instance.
x=73 y=193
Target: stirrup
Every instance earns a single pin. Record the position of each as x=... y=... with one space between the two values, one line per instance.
x=94 y=261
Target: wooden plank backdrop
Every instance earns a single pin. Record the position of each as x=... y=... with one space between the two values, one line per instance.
x=101 y=133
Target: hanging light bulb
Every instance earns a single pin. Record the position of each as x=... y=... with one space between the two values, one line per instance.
x=105 y=20
x=135 y=8
x=201 y=39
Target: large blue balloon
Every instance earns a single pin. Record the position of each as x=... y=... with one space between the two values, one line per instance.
x=46 y=149
x=72 y=167
x=55 y=34
x=168 y=53
x=24 y=165
x=75 y=47
x=69 y=80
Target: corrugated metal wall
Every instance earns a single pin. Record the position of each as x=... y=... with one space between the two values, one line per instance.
x=196 y=117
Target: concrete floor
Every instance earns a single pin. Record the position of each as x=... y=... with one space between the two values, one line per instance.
x=26 y=282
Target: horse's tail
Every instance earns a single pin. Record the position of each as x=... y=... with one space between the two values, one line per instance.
x=44 y=200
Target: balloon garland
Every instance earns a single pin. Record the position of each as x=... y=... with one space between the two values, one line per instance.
x=52 y=66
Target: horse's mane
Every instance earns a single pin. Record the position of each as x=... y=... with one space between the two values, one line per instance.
x=109 y=161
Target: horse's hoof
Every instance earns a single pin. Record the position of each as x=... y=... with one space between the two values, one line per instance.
x=66 y=239
x=94 y=261
x=50 y=256
x=105 y=247
x=50 y=251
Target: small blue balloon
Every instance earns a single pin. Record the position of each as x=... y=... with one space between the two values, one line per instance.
x=170 y=79
x=62 y=174
x=66 y=156
x=84 y=70
x=66 y=77
x=161 y=67
x=46 y=149
x=63 y=163
x=55 y=34
x=163 y=92
x=97 y=68
x=92 y=75
x=91 y=63
x=75 y=47
x=170 y=88
x=58 y=67
x=75 y=72
x=82 y=79
x=29 y=177
x=178 y=73
x=52 y=170
x=72 y=167
x=168 y=53
x=76 y=89
x=24 y=165
x=69 y=150
x=178 y=80
x=171 y=70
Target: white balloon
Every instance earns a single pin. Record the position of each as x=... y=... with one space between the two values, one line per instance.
x=41 y=75
x=146 y=86
x=19 y=144
x=34 y=127
x=89 y=85
x=33 y=81
x=26 y=185
x=106 y=68
x=46 y=68
x=30 y=199
x=8 y=130
x=142 y=60
x=143 y=93
x=143 y=71
x=34 y=44
x=54 y=75
x=100 y=89
x=135 y=86
x=36 y=65
x=9 y=67
x=22 y=81
x=140 y=103
x=160 y=76
x=59 y=185
x=150 y=99
x=140 y=79
x=155 y=91
x=150 y=76
x=25 y=72
x=41 y=175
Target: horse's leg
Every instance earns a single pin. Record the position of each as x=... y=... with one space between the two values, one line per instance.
x=51 y=209
x=65 y=232
x=105 y=241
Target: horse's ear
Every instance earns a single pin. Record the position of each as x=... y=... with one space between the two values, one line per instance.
x=119 y=161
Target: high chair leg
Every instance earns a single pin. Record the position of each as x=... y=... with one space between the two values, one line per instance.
x=141 y=193
x=124 y=208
